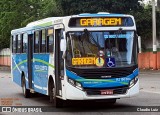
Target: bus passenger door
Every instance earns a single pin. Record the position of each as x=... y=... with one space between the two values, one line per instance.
x=29 y=60
x=59 y=61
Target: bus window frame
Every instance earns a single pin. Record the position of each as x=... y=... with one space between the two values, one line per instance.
x=24 y=50
x=34 y=42
x=47 y=40
x=22 y=43
x=12 y=42
x=41 y=47
x=40 y=40
x=19 y=50
x=14 y=51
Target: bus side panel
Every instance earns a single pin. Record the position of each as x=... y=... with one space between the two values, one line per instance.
x=51 y=69
x=40 y=72
x=19 y=64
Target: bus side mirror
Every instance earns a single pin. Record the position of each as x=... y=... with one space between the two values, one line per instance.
x=63 y=45
x=63 y=42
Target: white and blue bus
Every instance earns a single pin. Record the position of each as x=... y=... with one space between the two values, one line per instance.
x=78 y=57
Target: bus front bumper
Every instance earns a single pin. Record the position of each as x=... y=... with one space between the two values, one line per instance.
x=72 y=93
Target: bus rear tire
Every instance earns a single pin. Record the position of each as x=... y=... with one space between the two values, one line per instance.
x=58 y=103
x=25 y=91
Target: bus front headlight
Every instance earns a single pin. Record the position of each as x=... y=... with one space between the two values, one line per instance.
x=79 y=86
x=75 y=83
x=133 y=82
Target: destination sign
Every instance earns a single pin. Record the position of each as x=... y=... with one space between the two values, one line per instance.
x=100 y=22
x=97 y=61
x=83 y=61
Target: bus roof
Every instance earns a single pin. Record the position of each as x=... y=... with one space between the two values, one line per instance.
x=21 y=30
x=43 y=22
x=52 y=20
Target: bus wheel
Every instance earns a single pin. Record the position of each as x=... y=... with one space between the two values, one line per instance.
x=51 y=91
x=26 y=92
x=58 y=103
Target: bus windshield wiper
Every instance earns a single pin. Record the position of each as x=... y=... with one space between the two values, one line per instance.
x=119 y=31
x=91 y=36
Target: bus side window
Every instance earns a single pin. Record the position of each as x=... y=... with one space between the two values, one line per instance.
x=50 y=41
x=14 y=44
x=19 y=46
x=43 y=41
x=25 y=41
x=36 y=42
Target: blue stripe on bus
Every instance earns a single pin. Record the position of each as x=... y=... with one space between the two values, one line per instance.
x=40 y=70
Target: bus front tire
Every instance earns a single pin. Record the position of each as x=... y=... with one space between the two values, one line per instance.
x=25 y=91
x=58 y=103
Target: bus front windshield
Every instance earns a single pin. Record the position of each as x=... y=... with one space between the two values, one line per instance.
x=90 y=49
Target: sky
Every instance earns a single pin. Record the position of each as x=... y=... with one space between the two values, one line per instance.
x=146 y=1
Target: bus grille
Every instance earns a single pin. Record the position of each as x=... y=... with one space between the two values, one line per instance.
x=103 y=73
x=99 y=74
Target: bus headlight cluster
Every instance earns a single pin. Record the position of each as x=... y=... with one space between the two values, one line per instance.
x=75 y=83
x=133 y=82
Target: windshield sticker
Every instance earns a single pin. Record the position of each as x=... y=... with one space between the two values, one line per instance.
x=115 y=36
x=111 y=62
x=83 y=61
x=99 y=62
x=101 y=53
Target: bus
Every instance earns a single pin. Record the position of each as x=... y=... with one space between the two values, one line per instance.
x=78 y=57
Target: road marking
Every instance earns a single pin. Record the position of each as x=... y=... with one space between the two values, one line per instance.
x=150 y=91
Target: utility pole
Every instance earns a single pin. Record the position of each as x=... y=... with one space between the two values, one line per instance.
x=158 y=5
x=154 y=34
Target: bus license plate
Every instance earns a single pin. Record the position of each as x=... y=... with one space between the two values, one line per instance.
x=106 y=92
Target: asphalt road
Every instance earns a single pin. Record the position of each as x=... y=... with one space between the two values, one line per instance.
x=149 y=95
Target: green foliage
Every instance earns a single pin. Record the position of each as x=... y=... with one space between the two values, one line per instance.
x=144 y=22
x=70 y=7
x=18 y=13
x=49 y=8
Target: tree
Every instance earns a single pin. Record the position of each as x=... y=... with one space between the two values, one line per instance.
x=70 y=7
x=49 y=9
x=18 y=13
x=15 y=14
